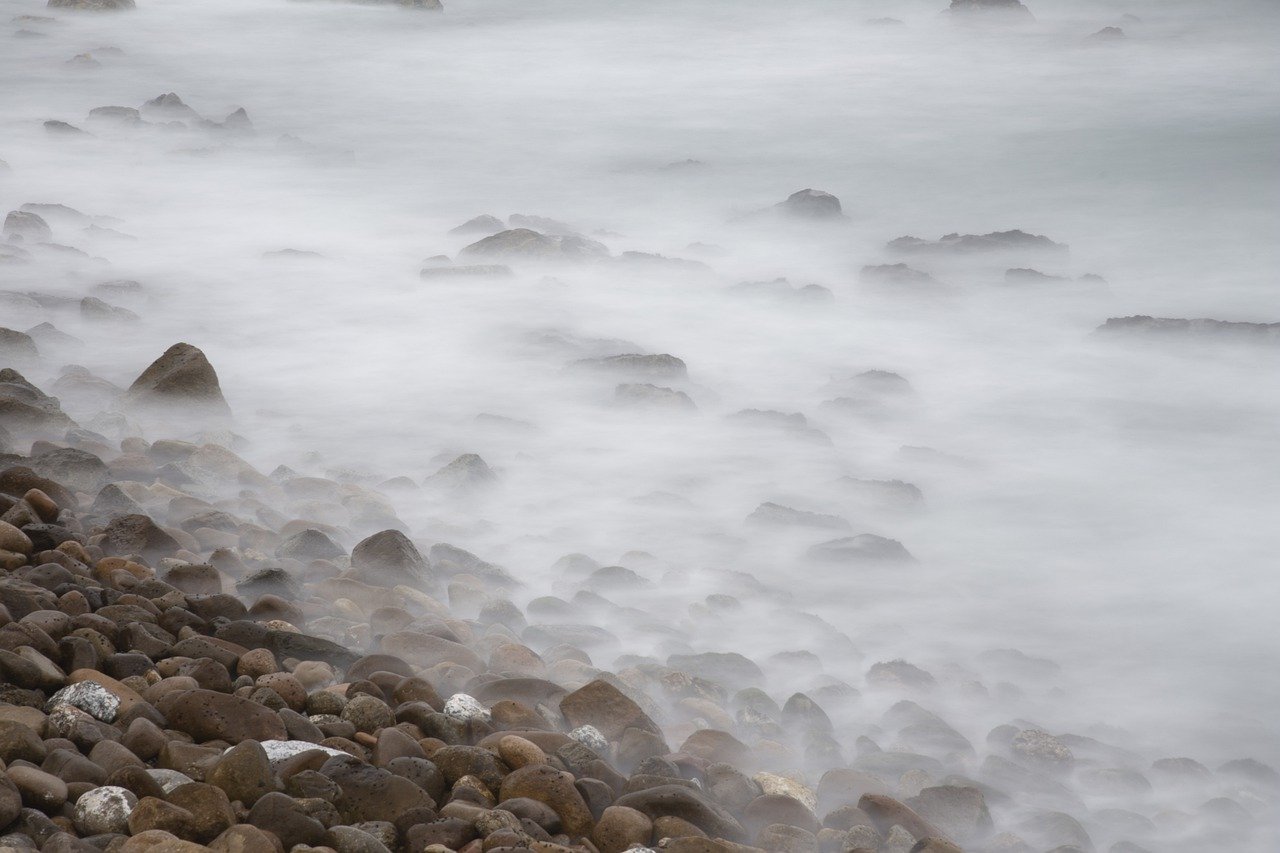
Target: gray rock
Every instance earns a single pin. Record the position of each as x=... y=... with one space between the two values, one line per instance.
x=103 y=810
x=90 y=697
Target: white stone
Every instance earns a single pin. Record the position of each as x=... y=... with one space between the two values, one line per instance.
x=465 y=708
x=90 y=697
x=772 y=783
x=279 y=751
x=590 y=736
x=104 y=810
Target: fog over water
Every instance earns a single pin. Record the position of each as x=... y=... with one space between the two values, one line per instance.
x=1105 y=502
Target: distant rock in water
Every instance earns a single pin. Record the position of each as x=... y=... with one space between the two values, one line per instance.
x=863 y=548
x=93 y=5
x=1025 y=275
x=776 y=515
x=467 y=473
x=527 y=244
x=996 y=241
x=544 y=224
x=17 y=347
x=182 y=378
x=811 y=204
x=168 y=106
x=466 y=271
x=659 y=366
x=1166 y=327
x=120 y=115
x=1011 y=9
x=1108 y=34
x=61 y=128
x=644 y=394
x=900 y=279
x=27 y=226
x=25 y=407
x=482 y=224
x=780 y=288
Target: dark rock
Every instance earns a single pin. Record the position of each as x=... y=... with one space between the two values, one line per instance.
x=811 y=204
x=181 y=377
x=388 y=559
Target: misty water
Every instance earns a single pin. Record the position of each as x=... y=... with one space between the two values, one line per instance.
x=1102 y=502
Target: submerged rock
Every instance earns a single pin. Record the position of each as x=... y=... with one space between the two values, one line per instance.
x=527 y=244
x=1205 y=329
x=863 y=548
x=961 y=244
x=811 y=204
x=93 y=5
x=28 y=226
x=1009 y=9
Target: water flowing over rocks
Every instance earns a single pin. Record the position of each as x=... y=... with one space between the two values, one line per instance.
x=665 y=527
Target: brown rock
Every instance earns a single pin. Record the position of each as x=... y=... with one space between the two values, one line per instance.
x=181 y=376
x=206 y=715
x=885 y=812
x=210 y=809
x=138 y=534
x=604 y=706
x=553 y=788
x=686 y=804
x=245 y=838
x=151 y=813
x=243 y=772
x=620 y=827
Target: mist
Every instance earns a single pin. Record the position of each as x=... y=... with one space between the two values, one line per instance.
x=1104 y=502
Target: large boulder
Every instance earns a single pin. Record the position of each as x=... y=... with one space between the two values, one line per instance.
x=25 y=408
x=527 y=244
x=388 y=558
x=207 y=715
x=93 y=5
x=604 y=706
x=811 y=204
x=26 y=226
x=138 y=534
x=963 y=244
x=183 y=379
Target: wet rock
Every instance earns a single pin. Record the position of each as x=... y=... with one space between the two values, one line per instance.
x=686 y=804
x=182 y=377
x=811 y=204
x=656 y=396
x=103 y=810
x=963 y=244
x=527 y=244
x=138 y=534
x=24 y=407
x=1161 y=328
x=886 y=812
x=607 y=708
x=17 y=347
x=770 y=514
x=862 y=548
x=26 y=226
x=1041 y=750
x=206 y=715
x=90 y=697
x=467 y=473
x=960 y=812
x=387 y=559
x=483 y=224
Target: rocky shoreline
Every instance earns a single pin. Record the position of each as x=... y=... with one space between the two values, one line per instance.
x=198 y=652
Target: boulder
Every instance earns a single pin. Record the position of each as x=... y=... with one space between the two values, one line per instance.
x=180 y=378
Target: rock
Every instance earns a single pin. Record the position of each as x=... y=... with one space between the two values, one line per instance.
x=996 y=241
x=153 y=813
x=686 y=804
x=811 y=204
x=93 y=5
x=24 y=407
x=886 y=812
x=527 y=244
x=960 y=812
x=349 y=839
x=770 y=514
x=607 y=708
x=388 y=559
x=19 y=742
x=90 y=697
x=553 y=788
x=658 y=366
x=483 y=224
x=103 y=810
x=465 y=474
x=244 y=838
x=27 y=226
x=371 y=793
x=182 y=378
x=1108 y=34
x=10 y=801
x=652 y=396
x=1012 y=9
x=206 y=715
x=39 y=790
x=55 y=127
x=619 y=828
x=280 y=751
x=17 y=347
x=465 y=709
x=138 y=534
x=861 y=549
x=210 y=809
x=466 y=271
x=283 y=817
x=1142 y=326
x=1041 y=750
x=243 y=772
